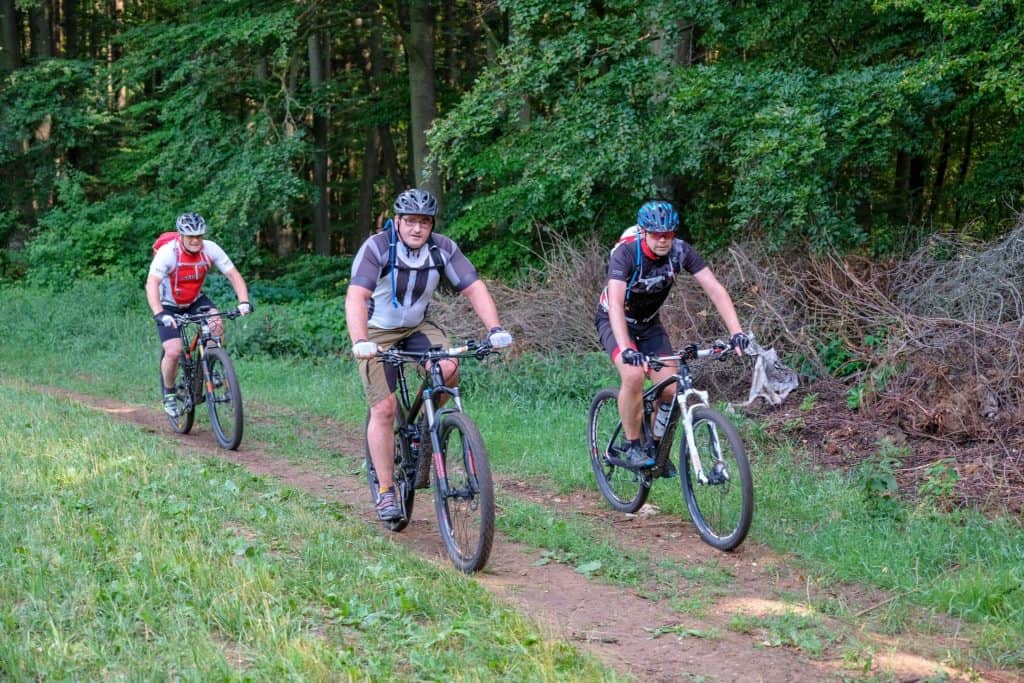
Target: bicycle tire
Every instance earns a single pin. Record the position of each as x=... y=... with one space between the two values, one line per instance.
x=465 y=514
x=224 y=399
x=186 y=409
x=403 y=487
x=625 y=489
x=721 y=510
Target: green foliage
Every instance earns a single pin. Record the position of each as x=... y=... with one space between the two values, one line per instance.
x=939 y=483
x=789 y=629
x=314 y=328
x=877 y=476
x=787 y=124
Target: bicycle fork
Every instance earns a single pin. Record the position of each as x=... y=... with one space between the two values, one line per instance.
x=687 y=409
x=433 y=418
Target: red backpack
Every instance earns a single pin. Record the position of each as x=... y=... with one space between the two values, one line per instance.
x=164 y=238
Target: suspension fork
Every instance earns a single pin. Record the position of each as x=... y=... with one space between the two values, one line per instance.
x=434 y=416
x=687 y=408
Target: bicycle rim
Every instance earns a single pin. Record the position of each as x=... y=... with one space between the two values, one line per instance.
x=406 y=493
x=624 y=489
x=465 y=506
x=224 y=399
x=723 y=508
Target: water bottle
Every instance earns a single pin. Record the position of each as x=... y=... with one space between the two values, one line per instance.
x=661 y=419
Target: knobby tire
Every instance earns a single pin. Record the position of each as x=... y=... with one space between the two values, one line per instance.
x=465 y=517
x=721 y=511
x=182 y=424
x=224 y=399
x=623 y=488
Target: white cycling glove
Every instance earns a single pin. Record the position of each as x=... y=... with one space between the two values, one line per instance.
x=364 y=350
x=244 y=308
x=499 y=338
x=164 y=318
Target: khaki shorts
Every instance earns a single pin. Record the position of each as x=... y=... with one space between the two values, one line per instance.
x=379 y=380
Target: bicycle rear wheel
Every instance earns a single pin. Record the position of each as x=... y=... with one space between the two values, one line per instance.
x=625 y=489
x=723 y=508
x=224 y=399
x=186 y=410
x=464 y=501
x=404 y=490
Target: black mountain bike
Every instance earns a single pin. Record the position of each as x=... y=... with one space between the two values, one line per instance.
x=463 y=488
x=207 y=374
x=714 y=472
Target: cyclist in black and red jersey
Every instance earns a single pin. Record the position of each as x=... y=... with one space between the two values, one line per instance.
x=174 y=286
x=642 y=268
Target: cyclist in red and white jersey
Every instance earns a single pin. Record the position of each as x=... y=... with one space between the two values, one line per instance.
x=175 y=284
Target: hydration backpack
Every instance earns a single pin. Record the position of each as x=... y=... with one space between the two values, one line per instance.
x=163 y=238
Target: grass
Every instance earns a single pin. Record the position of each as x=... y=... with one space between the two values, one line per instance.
x=120 y=559
x=99 y=339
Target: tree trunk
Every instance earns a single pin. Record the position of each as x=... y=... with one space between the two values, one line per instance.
x=39 y=29
x=71 y=29
x=965 y=164
x=940 y=177
x=321 y=234
x=371 y=167
x=10 y=35
x=419 y=49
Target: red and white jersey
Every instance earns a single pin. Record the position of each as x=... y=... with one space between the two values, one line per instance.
x=182 y=273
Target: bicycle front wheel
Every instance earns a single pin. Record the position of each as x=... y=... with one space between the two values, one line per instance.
x=186 y=410
x=722 y=508
x=403 y=485
x=625 y=489
x=223 y=399
x=464 y=493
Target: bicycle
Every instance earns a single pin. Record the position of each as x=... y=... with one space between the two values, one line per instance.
x=461 y=473
x=714 y=471
x=207 y=374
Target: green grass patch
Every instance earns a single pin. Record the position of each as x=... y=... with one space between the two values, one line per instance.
x=121 y=559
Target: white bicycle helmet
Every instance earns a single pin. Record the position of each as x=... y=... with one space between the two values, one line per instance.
x=190 y=224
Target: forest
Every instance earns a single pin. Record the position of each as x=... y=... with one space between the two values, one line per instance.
x=831 y=128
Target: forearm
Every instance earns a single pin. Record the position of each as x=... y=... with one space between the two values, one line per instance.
x=153 y=295
x=617 y=314
x=482 y=303
x=720 y=299
x=723 y=304
x=238 y=284
x=357 y=312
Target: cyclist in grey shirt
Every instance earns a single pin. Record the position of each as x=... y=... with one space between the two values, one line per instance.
x=394 y=275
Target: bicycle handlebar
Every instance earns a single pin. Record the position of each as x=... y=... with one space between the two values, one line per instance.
x=716 y=350
x=472 y=348
x=186 y=318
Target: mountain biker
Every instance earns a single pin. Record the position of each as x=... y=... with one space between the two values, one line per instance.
x=642 y=268
x=394 y=275
x=174 y=286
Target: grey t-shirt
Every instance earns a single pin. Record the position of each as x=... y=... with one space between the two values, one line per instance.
x=413 y=282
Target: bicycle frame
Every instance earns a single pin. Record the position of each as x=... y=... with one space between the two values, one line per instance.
x=688 y=399
x=426 y=397
x=200 y=341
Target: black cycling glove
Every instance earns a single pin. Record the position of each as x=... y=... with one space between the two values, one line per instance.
x=632 y=357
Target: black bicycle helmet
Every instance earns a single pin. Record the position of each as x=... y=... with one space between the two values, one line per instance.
x=190 y=224
x=416 y=201
x=657 y=217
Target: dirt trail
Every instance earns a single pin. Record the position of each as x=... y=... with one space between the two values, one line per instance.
x=621 y=626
